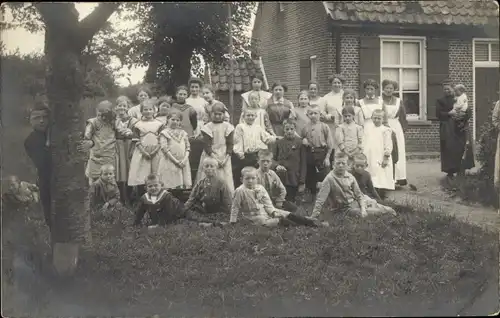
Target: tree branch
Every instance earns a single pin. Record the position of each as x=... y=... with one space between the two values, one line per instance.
x=58 y=16
x=96 y=20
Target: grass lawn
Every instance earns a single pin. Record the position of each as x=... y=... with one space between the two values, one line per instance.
x=186 y=270
x=473 y=188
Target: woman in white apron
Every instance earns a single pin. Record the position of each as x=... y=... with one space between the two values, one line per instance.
x=396 y=118
x=330 y=105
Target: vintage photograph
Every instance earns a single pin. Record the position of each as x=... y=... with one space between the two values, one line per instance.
x=250 y=159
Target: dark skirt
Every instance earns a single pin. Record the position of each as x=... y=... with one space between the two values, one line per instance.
x=195 y=156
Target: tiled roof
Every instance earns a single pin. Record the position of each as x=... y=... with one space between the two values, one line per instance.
x=243 y=70
x=450 y=12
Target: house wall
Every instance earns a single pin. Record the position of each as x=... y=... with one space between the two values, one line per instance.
x=284 y=38
x=223 y=96
x=307 y=33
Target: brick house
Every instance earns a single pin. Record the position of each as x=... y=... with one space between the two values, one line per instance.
x=243 y=70
x=416 y=43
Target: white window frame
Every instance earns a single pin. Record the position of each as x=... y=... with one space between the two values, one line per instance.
x=480 y=64
x=488 y=63
x=281 y=6
x=421 y=40
x=313 y=61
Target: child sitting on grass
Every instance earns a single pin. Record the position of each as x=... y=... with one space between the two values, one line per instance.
x=254 y=203
x=365 y=183
x=20 y=192
x=210 y=200
x=272 y=183
x=161 y=206
x=104 y=193
x=341 y=190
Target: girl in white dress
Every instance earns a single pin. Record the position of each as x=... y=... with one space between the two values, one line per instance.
x=146 y=156
x=264 y=96
x=368 y=104
x=377 y=149
x=218 y=142
x=174 y=169
x=396 y=119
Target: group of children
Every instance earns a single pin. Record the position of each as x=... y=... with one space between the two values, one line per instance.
x=256 y=169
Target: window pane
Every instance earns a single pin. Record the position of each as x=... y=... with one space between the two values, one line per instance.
x=411 y=53
x=495 y=53
x=390 y=53
x=390 y=74
x=481 y=51
x=313 y=69
x=411 y=80
x=412 y=104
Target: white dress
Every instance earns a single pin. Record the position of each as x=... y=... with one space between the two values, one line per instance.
x=141 y=167
x=219 y=133
x=377 y=143
x=393 y=121
x=176 y=141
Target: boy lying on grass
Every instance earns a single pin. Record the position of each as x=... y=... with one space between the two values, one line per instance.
x=210 y=200
x=161 y=206
x=254 y=203
x=342 y=192
x=104 y=194
x=365 y=184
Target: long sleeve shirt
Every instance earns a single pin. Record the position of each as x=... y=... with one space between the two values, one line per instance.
x=339 y=192
x=318 y=135
x=253 y=204
x=349 y=137
x=250 y=138
x=273 y=185
x=210 y=193
x=162 y=209
x=365 y=184
x=101 y=193
x=291 y=154
x=37 y=148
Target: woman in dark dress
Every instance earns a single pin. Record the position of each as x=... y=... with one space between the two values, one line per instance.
x=456 y=150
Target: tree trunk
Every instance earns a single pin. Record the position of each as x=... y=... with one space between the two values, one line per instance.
x=65 y=81
x=181 y=63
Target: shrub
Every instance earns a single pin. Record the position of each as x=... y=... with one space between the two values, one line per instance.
x=480 y=187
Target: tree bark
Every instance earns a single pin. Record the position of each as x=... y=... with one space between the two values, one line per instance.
x=65 y=39
x=181 y=62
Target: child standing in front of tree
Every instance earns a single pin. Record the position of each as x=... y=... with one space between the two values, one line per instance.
x=218 y=144
x=174 y=169
x=378 y=149
x=349 y=135
x=100 y=138
x=318 y=140
x=124 y=147
x=146 y=156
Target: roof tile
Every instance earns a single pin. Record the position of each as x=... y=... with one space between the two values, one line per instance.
x=463 y=12
x=243 y=71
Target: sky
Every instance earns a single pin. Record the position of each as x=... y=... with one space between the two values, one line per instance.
x=28 y=42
